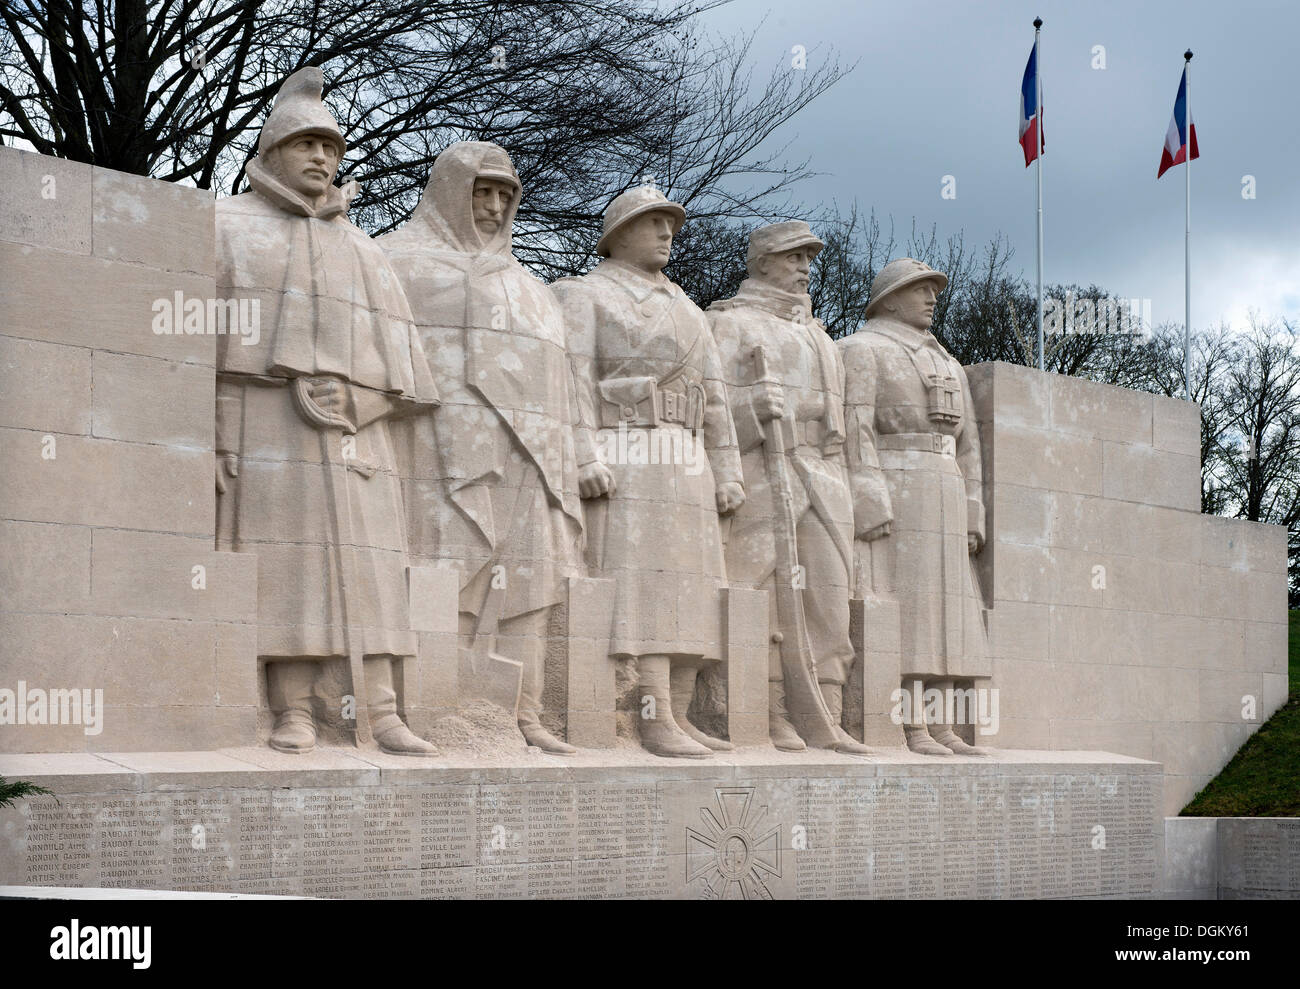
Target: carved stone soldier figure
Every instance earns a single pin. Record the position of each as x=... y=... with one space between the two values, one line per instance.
x=785 y=382
x=664 y=462
x=914 y=464
x=305 y=468
x=492 y=489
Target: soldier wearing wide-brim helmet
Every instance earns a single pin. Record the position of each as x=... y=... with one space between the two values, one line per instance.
x=649 y=380
x=796 y=390
x=898 y=275
x=637 y=201
x=304 y=457
x=914 y=465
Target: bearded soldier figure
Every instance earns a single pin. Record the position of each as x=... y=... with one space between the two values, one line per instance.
x=305 y=467
x=786 y=386
x=492 y=479
x=664 y=462
x=914 y=463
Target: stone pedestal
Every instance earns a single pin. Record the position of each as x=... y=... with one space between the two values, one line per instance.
x=346 y=823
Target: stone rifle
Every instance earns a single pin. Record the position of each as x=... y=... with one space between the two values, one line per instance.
x=797 y=661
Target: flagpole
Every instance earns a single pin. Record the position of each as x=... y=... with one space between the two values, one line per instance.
x=1187 y=234
x=1038 y=153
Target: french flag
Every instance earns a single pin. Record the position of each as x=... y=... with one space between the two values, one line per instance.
x=1181 y=133
x=1031 y=141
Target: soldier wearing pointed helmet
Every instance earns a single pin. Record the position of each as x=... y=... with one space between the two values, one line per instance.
x=306 y=478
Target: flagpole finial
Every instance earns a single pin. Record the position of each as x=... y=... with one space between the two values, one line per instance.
x=1038 y=22
x=1187 y=55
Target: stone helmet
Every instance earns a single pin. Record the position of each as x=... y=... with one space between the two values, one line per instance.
x=447 y=205
x=633 y=203
x=495 y=163
x=299 y=110
x=777 y=238
x=899 y=274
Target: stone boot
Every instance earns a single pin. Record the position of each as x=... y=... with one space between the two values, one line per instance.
x=945 y=736
x=295 y=731
x=659 y=732
x=288 y=688
x=920 y=742
x=833 y=695
x=400 y=740
x=390 y=732
x=682 y=683
x=535 y=734
x=782 y=733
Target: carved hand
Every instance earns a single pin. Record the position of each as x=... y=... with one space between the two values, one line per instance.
x=334 y=397
x=878 y=532
x=730 y=497
x=227 y=466
x=768 y=399
x=595 y=480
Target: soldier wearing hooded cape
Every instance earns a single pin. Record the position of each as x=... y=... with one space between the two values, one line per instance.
x=331 y=311
x=491 y=479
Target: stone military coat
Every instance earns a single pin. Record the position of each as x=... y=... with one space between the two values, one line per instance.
x=650 y=389
x=914 y=460
x=804 y=361
x=329 y=305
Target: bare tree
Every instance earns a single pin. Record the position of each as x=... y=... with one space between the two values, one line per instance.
x=1263 y=470
x=588 y=97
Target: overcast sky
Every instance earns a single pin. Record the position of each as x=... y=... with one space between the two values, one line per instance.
x=936 y=92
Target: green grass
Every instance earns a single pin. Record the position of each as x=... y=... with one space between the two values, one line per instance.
x=1263 y=778
x=1293 y=650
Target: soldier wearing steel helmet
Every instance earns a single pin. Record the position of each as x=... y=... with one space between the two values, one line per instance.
x=913 y=455
x=649 y=380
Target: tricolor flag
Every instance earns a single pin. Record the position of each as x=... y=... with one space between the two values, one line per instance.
x=1181 y=133
x=1030 y=139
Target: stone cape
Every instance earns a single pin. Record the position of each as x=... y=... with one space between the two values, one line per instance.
x=491 y=478
x=332 y=307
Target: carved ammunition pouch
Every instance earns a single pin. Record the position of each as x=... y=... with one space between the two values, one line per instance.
x=640 y=402
x=812 y=437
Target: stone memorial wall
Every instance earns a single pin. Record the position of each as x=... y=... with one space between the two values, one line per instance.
x=1232 y=858
x=423 y=464
x=1032 y=825
x=1122 y=619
